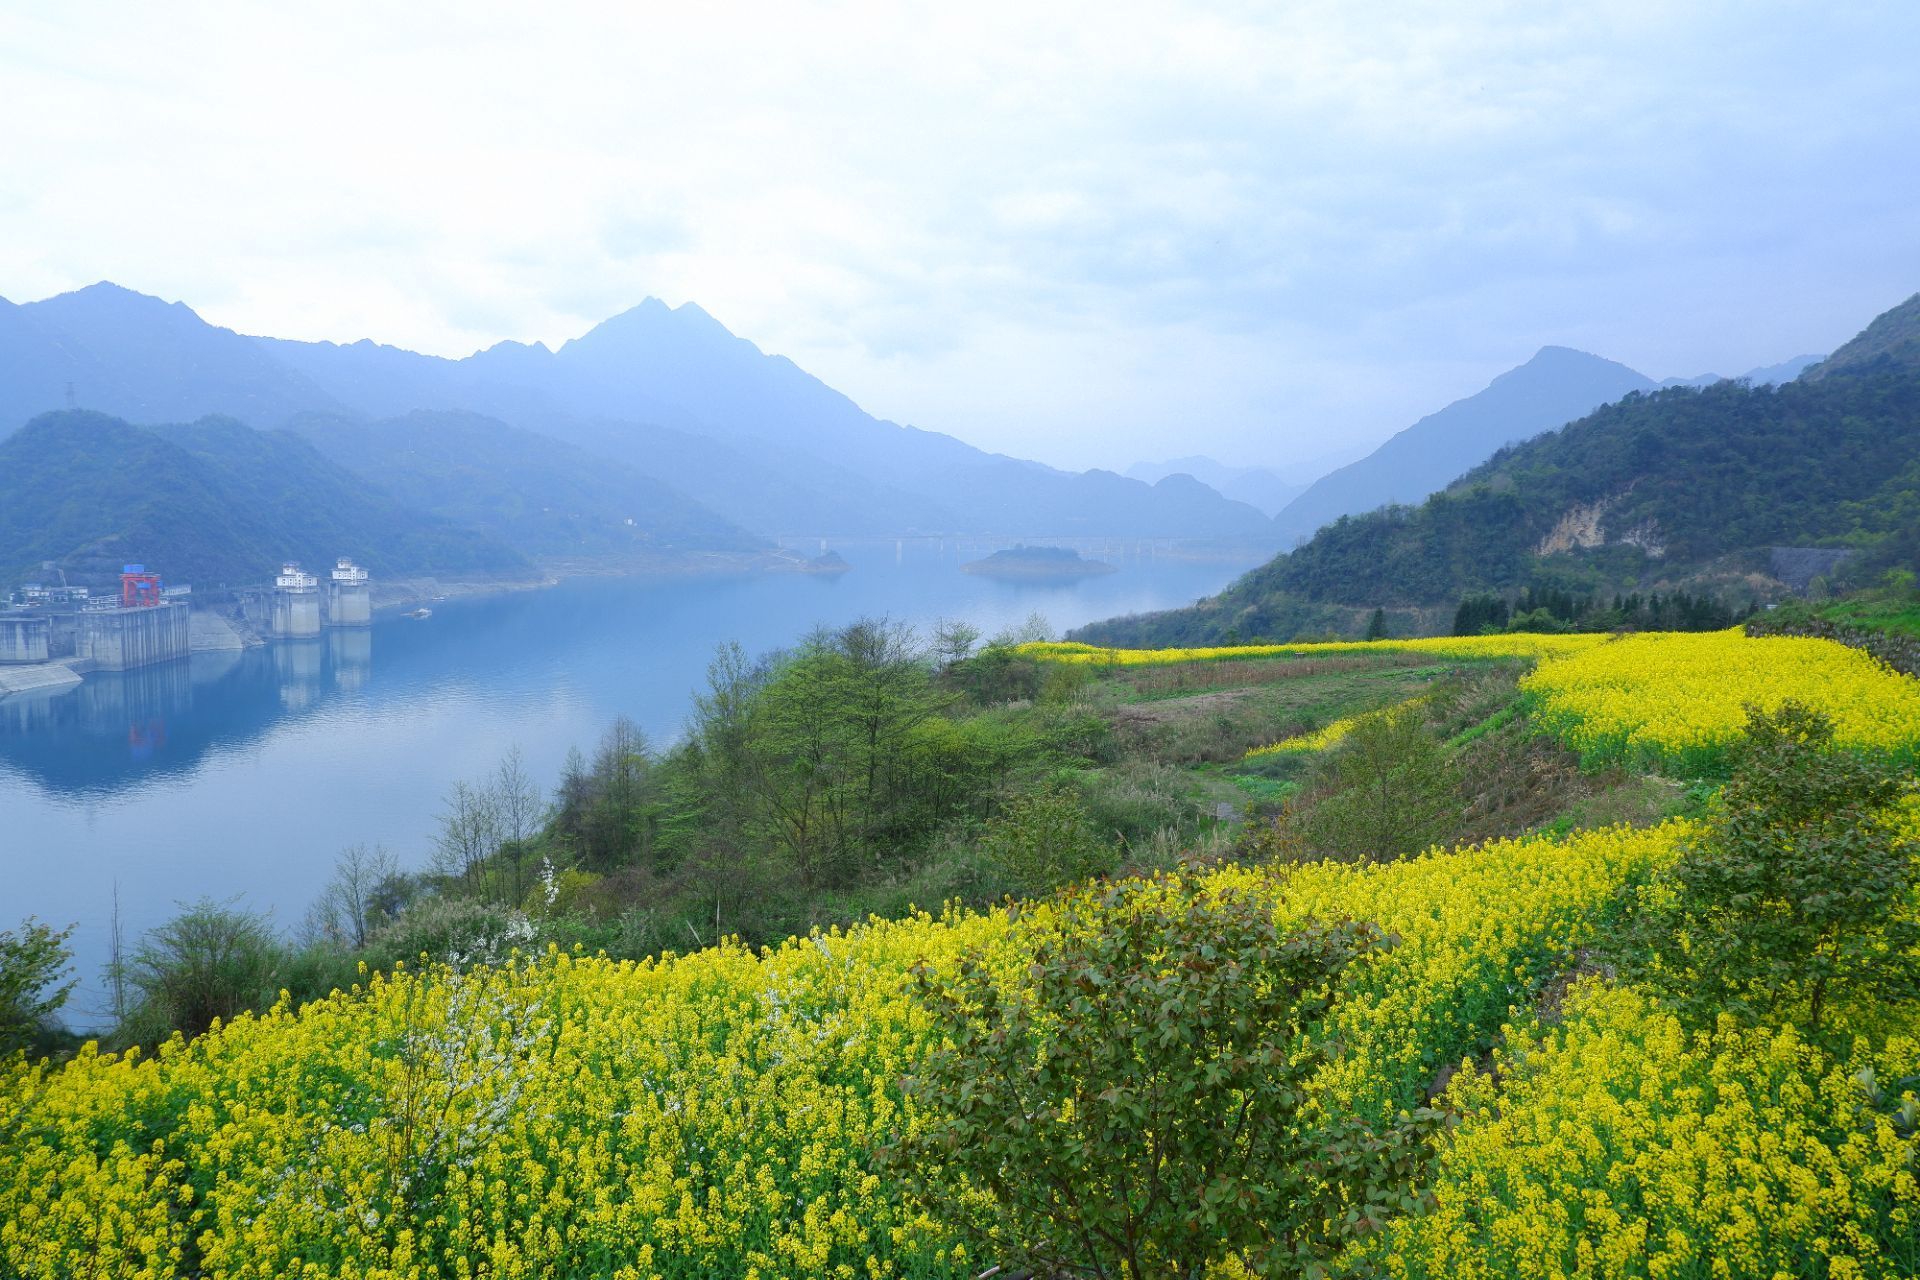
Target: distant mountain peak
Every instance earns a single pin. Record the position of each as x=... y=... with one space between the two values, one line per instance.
x=653 y=322
x=107 y=288
x=1556 y=386
x=512 y=346
x=107 y=293
x=1552 y=357
x=666 y=390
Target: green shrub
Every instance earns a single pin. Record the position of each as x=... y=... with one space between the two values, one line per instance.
x=457 y=931
x=1133 y=801
x=1132 y=1101
x=1389 y=789
x=1799 y=892
x=212 y=961
x=1043 y=840
x=33 y=959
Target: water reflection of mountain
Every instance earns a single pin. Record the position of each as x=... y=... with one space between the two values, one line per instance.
x=118 y=729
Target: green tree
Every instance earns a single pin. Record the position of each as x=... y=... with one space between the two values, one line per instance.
x=1799 y=891
x=1044 y=840
x=830 y=753
x=1134 y=1100
x=33 y=959
x=1377 y=625
x=802 y=769
x=210 y=961
x=1387 y=790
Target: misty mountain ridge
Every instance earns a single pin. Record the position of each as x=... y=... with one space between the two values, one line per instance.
x=551 y=499
x=1769 y=375
x=667 y=393
x=1260 y=487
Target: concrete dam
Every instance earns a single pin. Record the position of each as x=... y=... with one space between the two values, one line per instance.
x=50 y=634
x=25 y=638
x=118 y=639
x=349 y=597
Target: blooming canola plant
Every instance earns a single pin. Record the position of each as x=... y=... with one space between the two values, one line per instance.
x=717 y=1113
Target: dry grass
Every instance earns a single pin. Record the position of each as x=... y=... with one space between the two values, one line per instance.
x=1191 y=677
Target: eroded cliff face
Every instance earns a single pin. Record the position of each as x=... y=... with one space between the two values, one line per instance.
x=1583 y=527
x=1579 y=528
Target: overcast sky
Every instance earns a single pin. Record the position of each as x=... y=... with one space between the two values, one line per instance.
x=1085 y=233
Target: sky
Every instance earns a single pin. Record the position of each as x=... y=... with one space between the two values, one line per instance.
x=1086 y=233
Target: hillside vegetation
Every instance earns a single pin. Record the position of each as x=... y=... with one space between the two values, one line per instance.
x=211 y=503
x=1678 y=489
x=1477 y=976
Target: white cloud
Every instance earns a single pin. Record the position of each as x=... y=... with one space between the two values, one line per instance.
x=1076 y=231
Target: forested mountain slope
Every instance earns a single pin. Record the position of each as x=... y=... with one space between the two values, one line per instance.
x=1893 y=337
x=1680 y=487
x=212 y=503
x=1555 y=387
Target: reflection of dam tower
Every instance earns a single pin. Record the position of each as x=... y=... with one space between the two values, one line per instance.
x=349 y=599
x=350 y=651
x=296 y=602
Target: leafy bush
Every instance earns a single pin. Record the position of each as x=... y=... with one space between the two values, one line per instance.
x=1134 y=1100
x=33 y=958
x=453 y=931
x=1387 y=790
x=211 y=962
x=1044 y=840
x=1800 y=889
x=1134 y=801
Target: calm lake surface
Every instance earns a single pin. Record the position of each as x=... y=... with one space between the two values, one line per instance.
x=244 y=774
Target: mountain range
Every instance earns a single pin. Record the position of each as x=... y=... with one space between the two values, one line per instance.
x=1692 y=488
x=668 y=394
x=660 y=434
x=1260 y=487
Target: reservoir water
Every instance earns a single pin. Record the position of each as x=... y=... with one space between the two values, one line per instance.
x=242 y=775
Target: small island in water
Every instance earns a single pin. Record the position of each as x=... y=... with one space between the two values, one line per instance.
x=1044 y=564
x=827 y=562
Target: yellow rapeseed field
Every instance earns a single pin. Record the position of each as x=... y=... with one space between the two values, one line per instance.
x=713 y=1114
x=718 y=1113
x=1673 y=699
x=1619 y=1145
x=1679 y=699
x=1331 y=734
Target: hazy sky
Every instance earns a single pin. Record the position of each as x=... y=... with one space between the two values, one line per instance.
x=1086 y=233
